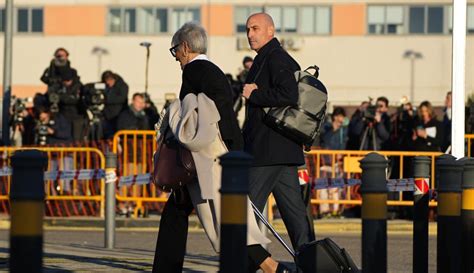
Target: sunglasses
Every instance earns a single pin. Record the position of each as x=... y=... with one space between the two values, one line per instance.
x=174 y=49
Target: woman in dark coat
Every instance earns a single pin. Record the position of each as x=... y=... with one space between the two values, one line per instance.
x=429 y=132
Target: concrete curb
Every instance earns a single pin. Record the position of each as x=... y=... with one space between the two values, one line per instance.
x=152 y=224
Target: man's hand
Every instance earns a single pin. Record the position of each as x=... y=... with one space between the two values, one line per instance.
x=248 y=89
x=50 y=131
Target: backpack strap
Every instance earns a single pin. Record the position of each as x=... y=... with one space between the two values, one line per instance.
x=316 y=70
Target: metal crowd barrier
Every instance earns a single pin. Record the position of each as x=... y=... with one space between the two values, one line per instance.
x=469 y=147
x=74 y=183
x=340 y=169
x=135 y=195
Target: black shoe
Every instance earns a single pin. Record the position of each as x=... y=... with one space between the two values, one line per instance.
x=283 y=269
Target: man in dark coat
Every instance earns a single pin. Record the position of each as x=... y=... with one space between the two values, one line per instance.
x=70 y=103
x=134 y=118
x=57 y=131
x=116 y=100
x=271 y=83
x=60 y=63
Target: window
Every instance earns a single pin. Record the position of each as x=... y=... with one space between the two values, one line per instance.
x=428 y=20
x=470 y=19
x=417 y=19
x=385 y=19
x=180 y=16
x=130 y=21
x=115 y=20
x=241 y=15
x=315 y=20
x=2 y=20
x=28 y=20
x=150 y=20
x=289 y=19
x=409 y=19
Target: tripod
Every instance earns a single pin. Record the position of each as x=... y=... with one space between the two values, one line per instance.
x=368 y=134
x=95 y=129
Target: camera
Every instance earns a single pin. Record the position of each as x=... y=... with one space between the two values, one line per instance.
x=18 y=107
x=369 y=113
x=94 y=99
x=42 y=132
x=54 y=90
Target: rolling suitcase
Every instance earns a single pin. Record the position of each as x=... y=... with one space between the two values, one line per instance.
x=329 y=257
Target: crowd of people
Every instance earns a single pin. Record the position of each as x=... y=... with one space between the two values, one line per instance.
x=71 y=112
x=375 y=127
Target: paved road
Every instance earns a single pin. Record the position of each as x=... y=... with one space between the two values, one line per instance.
x=81 y=251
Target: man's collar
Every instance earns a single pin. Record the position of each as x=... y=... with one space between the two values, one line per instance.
x=200 y=57
x=273 y=43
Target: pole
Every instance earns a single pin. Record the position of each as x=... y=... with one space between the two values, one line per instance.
x=99 y=66
x=7 y=73
x=111 y=178
x=422 y=165
x=412 y=79
x=467 y=217
x=27 y=210
x=146 y=68
x=374 y=213
x=458 y=76
x=234 y=201
x=449 y=215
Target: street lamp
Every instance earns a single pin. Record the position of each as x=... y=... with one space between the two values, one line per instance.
x=99 y=51
x=412 y=55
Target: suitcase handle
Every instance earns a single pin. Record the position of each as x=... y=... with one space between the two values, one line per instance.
x=270 y=227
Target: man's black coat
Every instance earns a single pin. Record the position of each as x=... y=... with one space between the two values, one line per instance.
x=116 y=99
x=277 y=87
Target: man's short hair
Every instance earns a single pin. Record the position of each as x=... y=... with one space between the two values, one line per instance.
x=194 y=35
x=339 y=111
x=384 y=99
x=43 y=109
x=61 y=49
x=108 y=75
x=247 y=59
x=141 y=95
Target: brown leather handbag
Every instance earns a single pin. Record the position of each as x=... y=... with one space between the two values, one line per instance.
x=173 y=163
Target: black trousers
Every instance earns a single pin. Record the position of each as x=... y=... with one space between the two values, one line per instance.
x=283 y=182
x=173 y=233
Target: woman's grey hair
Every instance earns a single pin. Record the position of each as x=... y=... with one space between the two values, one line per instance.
x=194 y=35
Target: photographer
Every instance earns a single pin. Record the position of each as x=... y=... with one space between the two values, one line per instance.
x=60 y=62
x=116 y=99
x=20 y=122
x=373 y=126
x=403 y=127
x=70 y=103
x=51 y=131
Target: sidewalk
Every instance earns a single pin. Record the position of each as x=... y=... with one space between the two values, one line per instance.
x=152 y=223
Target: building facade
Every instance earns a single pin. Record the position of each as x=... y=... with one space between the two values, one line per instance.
x=364 y=48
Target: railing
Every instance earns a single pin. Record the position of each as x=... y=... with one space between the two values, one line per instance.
x=344 y=164
x=135 y=156
x=73 y=196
